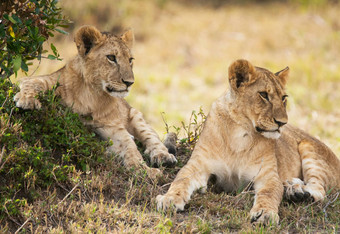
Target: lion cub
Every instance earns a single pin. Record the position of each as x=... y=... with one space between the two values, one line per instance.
x=94 y=83
x=246 y=138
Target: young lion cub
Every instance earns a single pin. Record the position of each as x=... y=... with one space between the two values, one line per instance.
x=246 y=138
x=94 y=83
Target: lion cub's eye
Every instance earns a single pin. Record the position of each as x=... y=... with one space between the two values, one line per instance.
x=111 y=58
x=264 y=95
x=131 y=60
x=284 y=99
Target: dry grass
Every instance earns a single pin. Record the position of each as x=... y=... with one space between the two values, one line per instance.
x=100 y=202
x=182 y=53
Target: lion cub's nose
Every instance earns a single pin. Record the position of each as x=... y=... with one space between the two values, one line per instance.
x=279 y=123
x=128 y=83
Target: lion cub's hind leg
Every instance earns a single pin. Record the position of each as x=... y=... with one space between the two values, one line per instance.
x=314 y=169
x=319 y=173
x=314 y=176
x=317 y=170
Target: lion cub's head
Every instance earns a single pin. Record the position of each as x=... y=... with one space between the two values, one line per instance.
x=105 y=60
x=259 y=96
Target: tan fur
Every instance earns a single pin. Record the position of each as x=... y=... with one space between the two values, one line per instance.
x=245 y=139
x=94 y=83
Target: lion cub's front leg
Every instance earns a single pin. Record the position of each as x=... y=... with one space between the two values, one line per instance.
x=30 y=88
x=124 y=146
x=159 y=154
x=268 y=194
x=191 y=177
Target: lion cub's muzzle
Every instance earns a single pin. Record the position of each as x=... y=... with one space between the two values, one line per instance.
x=273 y=133
x=120 y=92
x=277 y=128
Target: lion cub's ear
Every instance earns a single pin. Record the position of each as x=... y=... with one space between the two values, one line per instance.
x=240 y=72
x=128 y=38
x=86 y=38
x=283 y=75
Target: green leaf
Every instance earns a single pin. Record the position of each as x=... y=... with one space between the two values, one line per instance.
x=28 y=22
x=17 y=63
x=11 y=19
x=61 y=31
x=5 y=16
x=17 y=19
x=64 y=25
x=2 y=31
x=54 y=49
x=24 y=66
x=52 y=57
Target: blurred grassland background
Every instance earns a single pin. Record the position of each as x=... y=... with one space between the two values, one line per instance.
x=183 y=49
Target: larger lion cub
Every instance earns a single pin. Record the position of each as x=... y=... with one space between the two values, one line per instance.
x=246 y=138
x=94 y=83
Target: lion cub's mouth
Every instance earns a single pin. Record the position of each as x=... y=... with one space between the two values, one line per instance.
x=115 y=92
x=112 y=90
x=272 y=134
x=260 y=130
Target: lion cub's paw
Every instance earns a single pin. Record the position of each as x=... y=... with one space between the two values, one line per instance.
x=165 y=202
x=26 y=102
x=264 y=217
x=153 y=173
x=162 y=158
x=294 y=190
x=315 y=191
x=170 y=142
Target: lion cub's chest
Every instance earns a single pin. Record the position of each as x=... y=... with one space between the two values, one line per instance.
x=239 y=140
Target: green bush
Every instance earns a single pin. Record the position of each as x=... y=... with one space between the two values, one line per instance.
x=40 y=148
x=25 y=25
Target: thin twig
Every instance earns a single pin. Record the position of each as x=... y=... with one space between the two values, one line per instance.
x=310 y=204
x=3 y=104
x=27 y=220
x=164 y=185
x=10 y=116
x=165 y=122
x=36 y=68
x=1 y=156
x=251 y=183
x=9 y=216
x=69 y=193
x=328 y=203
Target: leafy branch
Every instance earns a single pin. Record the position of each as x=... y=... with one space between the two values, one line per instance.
x=24 y=26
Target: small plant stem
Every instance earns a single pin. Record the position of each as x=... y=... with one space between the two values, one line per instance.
x=68 y=194
x=17 y=231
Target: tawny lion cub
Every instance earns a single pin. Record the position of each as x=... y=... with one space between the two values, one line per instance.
x=94 y=83
x=246 y=138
